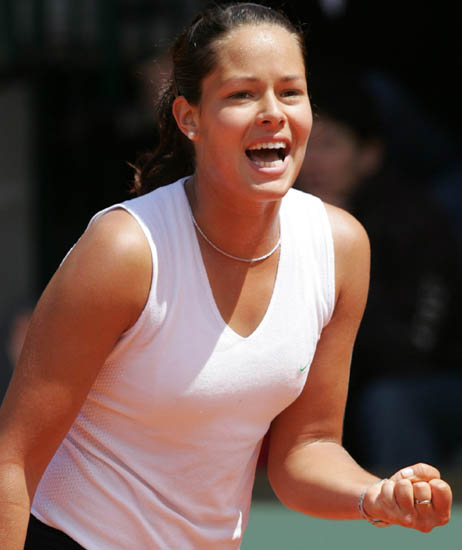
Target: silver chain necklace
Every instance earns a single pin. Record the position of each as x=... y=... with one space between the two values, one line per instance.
x=248 y=260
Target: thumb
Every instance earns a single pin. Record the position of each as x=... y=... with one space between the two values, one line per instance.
x=417 y=472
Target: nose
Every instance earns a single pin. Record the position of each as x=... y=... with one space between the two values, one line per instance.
x=270 y=113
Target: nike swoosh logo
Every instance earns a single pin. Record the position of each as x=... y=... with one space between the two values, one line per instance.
x=303 y=368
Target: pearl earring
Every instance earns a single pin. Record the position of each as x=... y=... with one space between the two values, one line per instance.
x=191 y=134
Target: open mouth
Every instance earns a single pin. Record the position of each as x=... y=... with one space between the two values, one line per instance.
x=269 y=154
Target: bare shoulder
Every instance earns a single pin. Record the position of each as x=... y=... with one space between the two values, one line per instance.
x=351 y=248
x=347 y=231
x=116 y=233
x=112 y=258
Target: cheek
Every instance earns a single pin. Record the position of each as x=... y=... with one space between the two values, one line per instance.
x=229 y=122
x=221 y=136
x=302 y=125
x=305 y=120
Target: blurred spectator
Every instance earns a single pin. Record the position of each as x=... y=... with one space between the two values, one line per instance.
x=419 y=144
x=406 y=370
x=13 y=330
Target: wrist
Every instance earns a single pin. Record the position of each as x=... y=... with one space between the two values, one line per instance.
x=364 y=514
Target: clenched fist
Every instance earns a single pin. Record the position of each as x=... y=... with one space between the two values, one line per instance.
x=414 y=497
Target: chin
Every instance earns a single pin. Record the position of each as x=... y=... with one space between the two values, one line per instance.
x=275 y=185
x=273 y=189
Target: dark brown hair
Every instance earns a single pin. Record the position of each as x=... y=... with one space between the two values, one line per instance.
x=194 y=57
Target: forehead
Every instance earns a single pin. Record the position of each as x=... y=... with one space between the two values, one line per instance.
x=263 y=45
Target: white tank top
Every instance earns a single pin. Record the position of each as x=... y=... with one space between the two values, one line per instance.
x=162 y=455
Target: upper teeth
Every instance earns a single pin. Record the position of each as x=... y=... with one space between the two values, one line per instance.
x=269 y=145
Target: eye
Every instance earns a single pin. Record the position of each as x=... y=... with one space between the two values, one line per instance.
x=291 y=93
x=241 y=95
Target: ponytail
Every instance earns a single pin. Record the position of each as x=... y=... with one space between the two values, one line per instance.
x=173 y=158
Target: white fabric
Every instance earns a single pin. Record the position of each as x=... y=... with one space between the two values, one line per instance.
x=162 y=455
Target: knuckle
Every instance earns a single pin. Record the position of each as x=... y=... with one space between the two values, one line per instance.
x=444 y=519
x=420 y=484
x=440 y=485
x=407 y=521
x=425 y=527
x=403 y=483
x=388 y=486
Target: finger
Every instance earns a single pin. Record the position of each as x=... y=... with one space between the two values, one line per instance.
x=388 y=503
x=426 y=472
x=442 y=500
x=423 y=498
x=417 y=472
x=404 y=496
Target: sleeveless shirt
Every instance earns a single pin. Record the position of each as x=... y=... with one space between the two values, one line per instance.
x=162 y=454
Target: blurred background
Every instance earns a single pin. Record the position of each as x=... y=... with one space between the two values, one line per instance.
x=77 y=83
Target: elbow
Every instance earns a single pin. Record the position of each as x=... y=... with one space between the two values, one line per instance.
x=285 y=490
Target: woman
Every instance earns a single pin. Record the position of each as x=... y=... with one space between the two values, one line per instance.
x=161 y=350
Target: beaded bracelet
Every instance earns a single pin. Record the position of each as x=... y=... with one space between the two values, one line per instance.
x=374 y=521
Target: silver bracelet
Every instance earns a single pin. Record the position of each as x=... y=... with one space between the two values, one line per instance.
x=374 y=521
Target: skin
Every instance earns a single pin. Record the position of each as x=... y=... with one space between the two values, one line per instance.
x=83 y=311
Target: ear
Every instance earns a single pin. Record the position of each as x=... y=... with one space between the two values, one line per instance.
x=186 y=116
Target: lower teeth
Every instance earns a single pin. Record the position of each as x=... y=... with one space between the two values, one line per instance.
x=271 y=164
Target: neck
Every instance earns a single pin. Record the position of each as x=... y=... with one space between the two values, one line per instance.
x=240 y=232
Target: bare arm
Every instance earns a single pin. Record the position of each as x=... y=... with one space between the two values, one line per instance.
x=97 y=294
x=308 y=468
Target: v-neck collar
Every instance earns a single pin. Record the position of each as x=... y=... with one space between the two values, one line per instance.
x=205 y=283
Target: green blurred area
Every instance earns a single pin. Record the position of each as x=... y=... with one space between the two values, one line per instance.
x=273 y=527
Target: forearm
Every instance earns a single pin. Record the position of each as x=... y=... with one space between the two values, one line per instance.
x=14 y=507
x=320 y=479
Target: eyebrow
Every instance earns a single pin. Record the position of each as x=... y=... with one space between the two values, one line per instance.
x=286 y=78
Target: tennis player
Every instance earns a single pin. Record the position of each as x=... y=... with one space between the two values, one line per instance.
x=188 y=320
